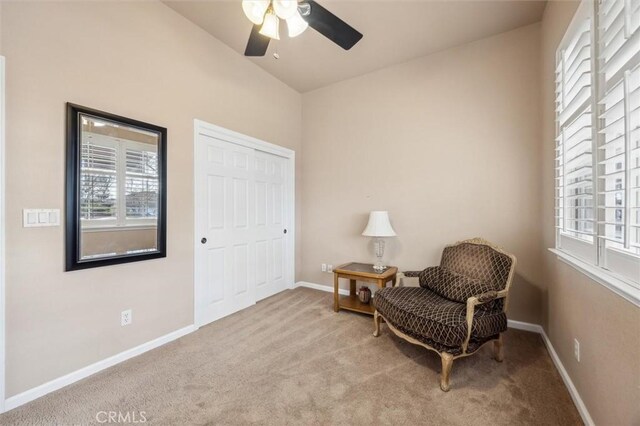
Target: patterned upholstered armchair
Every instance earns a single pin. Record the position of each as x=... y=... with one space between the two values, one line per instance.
x=458 y=307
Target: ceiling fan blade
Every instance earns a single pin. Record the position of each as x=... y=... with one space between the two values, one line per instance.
x=257 y=44
x=332 y=27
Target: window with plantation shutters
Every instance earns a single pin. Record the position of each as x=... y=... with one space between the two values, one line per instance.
x=598 y=143
x=119 y=184
x=575 y=209
x=619 y=135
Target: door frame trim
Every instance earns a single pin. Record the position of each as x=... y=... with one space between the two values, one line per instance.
x=221 y=133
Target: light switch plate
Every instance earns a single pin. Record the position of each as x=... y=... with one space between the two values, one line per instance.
x=40 y=217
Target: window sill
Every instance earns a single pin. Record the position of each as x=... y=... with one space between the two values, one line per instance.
x=114 y=228
x=601 y=276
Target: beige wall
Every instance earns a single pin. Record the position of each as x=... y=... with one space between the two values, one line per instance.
x=448 y=143
x=140 y=60
x=607 y=326
x=1 y=51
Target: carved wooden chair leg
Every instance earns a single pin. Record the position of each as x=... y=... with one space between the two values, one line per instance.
x=498 y=351
x=376 y=324
x=447 y=363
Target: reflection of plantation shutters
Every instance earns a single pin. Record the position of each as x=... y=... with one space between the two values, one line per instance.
x=119 y=182
x=98 y=183
x=619 y=141
x=575 y=214
x=141 y=181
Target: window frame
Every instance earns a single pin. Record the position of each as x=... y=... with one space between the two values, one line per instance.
x=593 y=259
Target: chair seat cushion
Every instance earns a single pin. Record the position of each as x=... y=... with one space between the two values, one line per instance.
x=429 y=317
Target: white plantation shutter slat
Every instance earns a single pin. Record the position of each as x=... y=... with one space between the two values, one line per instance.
x=581 y=61
x=613 y=29
x=621 y=49
x=609 y=14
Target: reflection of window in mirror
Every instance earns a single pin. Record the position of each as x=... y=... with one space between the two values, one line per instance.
x=119 y=189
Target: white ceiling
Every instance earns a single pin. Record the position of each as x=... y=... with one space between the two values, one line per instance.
x=394 y=31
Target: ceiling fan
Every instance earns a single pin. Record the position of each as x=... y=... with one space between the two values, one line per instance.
x=266 y=16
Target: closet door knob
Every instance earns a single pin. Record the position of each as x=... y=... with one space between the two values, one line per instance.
x=203 y=241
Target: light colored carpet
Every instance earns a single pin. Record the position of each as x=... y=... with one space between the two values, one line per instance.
x=291 y=360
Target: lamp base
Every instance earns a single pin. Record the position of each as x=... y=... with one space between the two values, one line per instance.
x=379 y=267
x=379 y=248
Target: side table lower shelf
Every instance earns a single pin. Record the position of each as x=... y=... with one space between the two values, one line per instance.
x=353 y=303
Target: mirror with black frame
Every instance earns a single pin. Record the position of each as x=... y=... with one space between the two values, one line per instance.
x=116 y=189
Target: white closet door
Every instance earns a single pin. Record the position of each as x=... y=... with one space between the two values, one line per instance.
x=270 y=224
x=225 y=267
x=242 y=211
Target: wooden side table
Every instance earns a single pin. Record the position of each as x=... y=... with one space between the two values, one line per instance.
x=360 y=272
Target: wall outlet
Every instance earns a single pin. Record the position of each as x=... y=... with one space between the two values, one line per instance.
x=576 y=349
x=330 y=268
x=126 y=317
x=324 y=267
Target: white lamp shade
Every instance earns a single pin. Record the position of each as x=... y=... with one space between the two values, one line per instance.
x=285 y=9
x=296 y=25
x=379 y=225
x=271 y=26
x=255 y=9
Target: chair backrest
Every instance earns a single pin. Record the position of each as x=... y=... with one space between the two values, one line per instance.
x=479 y=259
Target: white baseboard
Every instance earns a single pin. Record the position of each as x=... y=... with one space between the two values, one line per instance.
x=582 y=408
x=519 y=325
x=526 y=326
x=321 y=287
x=60 y=382
x=577 y=400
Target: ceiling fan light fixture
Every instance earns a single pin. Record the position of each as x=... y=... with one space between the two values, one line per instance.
x=271 y=26
x=285 y=9
x=255 y=10
x=296 y=25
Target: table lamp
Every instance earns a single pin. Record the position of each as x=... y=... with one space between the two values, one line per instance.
x=379 y=227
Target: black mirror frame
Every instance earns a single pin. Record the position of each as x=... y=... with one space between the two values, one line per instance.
x=72 y=214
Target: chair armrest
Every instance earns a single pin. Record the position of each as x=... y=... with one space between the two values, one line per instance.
x=400 y=279
x=479 y=299
x=429 y=274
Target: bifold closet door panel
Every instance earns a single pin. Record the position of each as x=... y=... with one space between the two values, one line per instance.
x=270 y=224
x=225 y=267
